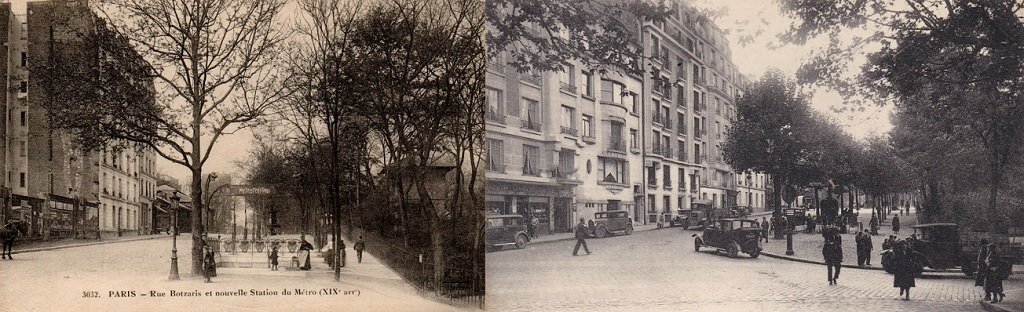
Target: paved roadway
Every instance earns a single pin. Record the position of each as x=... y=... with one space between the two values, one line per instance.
x=659 y=271
x=55 y=281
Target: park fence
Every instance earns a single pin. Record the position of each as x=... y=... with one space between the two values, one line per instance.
x=462 y=285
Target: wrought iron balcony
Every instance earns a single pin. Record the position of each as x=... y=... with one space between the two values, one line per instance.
x=531 y=125
x=567 y=87
x=617 y=146
x=495 y=116
x=531 y=78
x=569 y=131
x=531 y=171
x=500 y=168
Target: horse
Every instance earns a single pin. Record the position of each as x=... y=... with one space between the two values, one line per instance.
x=8 y=233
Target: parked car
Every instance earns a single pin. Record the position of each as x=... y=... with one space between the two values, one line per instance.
x=696 y=218
x=505 y=230
x=680 y=219
x=796 y=216
x=612 y=222
x=739 y=212
x=732 y=235
x=942 y=246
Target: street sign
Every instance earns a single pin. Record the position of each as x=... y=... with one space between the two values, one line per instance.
x=242 y=190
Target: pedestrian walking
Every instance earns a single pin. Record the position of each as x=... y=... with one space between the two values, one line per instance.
x=832 y=251
x=905 y=267
x=304 y=251
x=997 y=271
x=341 y=248
x=534 y=224
x=859 y=240
x=873 y=224
x=895 y=224
x=764 y=228
x=581 y=238
x=209 y=264
x=982 y=260
x=868 y=245
x=273 y=259
x=359 y=246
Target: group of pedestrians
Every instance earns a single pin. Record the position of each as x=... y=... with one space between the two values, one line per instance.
x=992 y=270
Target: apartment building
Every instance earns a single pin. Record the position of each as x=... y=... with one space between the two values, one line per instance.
x=59 y=189
x=563 y=145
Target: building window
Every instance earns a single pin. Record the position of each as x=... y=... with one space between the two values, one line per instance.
x=615 y=131
x=566 y=163
x=494 y=102
x=24 y=118
x=532 y=118
x=531 y=159
x=651 y=178
x=24 y=59
x=21 y=179
x=588 y=83
x=667 y=172
x=682 y=182
x=634 y=140
x=495 y=155
x=636 y=103
x=22 y=149
x=568 y=120
x=24 y=87
x=668 y=204
x=588 y=126
x=612 y=170
x=566 y=78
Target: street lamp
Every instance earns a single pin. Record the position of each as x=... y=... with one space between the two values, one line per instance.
x=175 y=199
x=204 y=212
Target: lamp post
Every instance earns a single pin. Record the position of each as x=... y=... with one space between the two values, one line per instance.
x=174 y=237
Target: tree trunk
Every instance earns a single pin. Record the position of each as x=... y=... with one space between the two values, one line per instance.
x=817 y=208
x=197 y=218
x=988 y=214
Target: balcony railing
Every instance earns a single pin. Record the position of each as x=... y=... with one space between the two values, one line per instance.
x=569 y=131
x=495 y=66
x=495 y=116
x=681 y=129
x=531 y=125
x=696 y=134
x=531 y=78
x=496 y=167
x=531 y=171
x=567 y=87
x=589 y=138
x=617 y=146
x=658 y=118
x=561 y=173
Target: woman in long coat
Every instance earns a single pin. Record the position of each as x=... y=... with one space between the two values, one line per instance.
x=905 y=268
x=995 y=273
x=832 y=251
x=979 y=277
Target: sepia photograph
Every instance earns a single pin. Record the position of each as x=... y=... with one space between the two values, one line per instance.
x=752 y=155
x=237 y=155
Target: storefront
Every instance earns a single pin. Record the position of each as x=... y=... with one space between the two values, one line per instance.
x=549 y=203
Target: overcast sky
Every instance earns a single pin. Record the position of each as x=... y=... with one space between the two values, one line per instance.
x=754 y=58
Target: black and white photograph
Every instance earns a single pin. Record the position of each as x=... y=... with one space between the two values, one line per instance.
x=754 y=155
x=237 y=155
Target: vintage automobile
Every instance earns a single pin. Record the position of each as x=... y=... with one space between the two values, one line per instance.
x=505 y=230
x=696 y=218
x=739 y=211
x=732 y=235
x=796 y=216
x=612 y=222
x=942 y=246
x=681 y=218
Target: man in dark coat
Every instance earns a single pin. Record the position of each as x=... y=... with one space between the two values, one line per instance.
x=982 y=260
x=887 y=244
x=905 y=268
x=832 y=251
x=581 y=238
x=764 y=228
x=873 y=224
x=359 y=246
x=859 y=239
x=997 y=270
x=895 y=224
x=867 y=247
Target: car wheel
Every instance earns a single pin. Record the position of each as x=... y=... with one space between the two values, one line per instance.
x=696 y=244
x=732 y=250
x=629 y=230
x=521 y=241
x=602 y=232
x=755 y=253
x=671 y=223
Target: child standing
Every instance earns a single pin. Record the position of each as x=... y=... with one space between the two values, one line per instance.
x=273 y=259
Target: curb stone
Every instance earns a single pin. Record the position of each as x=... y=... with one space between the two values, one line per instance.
x=940 y=275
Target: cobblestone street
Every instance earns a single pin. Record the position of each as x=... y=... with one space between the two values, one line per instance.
x=658 y=270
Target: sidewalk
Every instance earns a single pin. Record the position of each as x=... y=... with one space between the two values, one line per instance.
x=34 y=246
x=1014 y=302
